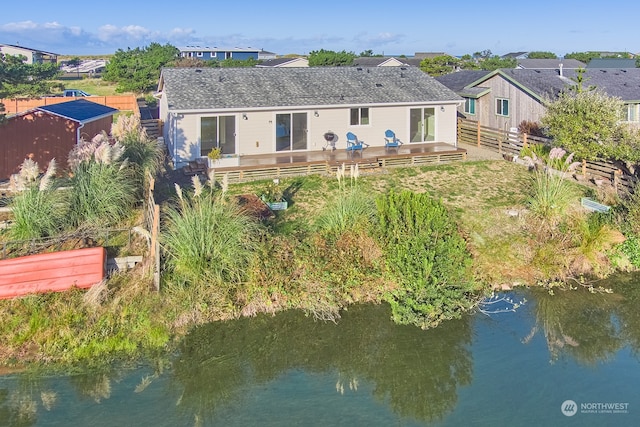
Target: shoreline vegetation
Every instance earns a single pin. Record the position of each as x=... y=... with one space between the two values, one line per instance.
x=431 y=242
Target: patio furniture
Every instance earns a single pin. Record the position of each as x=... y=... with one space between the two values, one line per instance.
x=354 y=144
x=390 y=139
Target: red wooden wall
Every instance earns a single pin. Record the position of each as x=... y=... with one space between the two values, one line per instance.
x=55 y=271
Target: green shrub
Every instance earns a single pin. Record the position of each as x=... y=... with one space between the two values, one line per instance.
x=429 y=258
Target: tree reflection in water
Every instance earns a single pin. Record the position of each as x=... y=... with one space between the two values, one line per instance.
x=417 y=373
x=578 y=324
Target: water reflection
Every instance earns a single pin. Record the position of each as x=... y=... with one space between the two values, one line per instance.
x=417 y=373
x=578 y=324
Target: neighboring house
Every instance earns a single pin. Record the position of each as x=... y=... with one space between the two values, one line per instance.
x=49 y=132
x=248 y=111
x=612 y=63
x=285 y=62
x=34 y=56
x=516 y=55
x=377 y=61
x=265 y=55
x=215 y=53
x=506 y=97
x=549 y=64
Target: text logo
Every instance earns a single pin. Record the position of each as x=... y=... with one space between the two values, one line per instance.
x=569 y=408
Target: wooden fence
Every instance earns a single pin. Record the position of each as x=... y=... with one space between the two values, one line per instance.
x=119 y=102
x=504 y=142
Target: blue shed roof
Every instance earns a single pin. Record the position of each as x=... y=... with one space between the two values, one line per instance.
x=79 y=110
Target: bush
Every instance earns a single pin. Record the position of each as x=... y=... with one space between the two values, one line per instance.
x=208 y=239
x=428 y=256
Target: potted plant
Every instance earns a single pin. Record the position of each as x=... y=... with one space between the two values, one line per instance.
x=273 y=196
x=214 y=155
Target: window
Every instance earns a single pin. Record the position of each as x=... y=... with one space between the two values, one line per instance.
x=291 y=131
x=359 y=116
x=502 y=107
x=199 y=54
x=469 y=105
x=218 y=132
x=632 y=113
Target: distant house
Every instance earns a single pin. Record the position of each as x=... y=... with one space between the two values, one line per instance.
x=48 y=132
x=515 y=55
x=377 y=61
x=248 y=111
x=612 y=63
x=266 y=55
x=506 y=97
x=206 y=53
x=284 y=62
x=549 y=64
x=34 y=56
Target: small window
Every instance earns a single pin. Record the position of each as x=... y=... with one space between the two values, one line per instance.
x=200 y=54
x=359 y=116
x=470 y=106
x=502 y=107
x=632 y=113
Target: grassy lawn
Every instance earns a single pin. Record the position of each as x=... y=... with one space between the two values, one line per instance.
x=92 y=86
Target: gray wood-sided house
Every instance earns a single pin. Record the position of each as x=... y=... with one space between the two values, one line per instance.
x=504 y=98
x=252 y=111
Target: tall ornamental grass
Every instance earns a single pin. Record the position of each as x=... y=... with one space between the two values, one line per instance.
x=551 y=193
x=102 y=189
x=351 y=210
x=39 y=208
x=207 y=239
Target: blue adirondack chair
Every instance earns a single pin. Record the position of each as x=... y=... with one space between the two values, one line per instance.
x=390 y=139
x=353 y=143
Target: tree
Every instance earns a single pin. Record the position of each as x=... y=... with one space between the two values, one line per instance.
x=494 y=62
x=368 y=53
x=17 y=78
x=439 y=65
x=580 y=80
x=329 y=58
x=582 y=56
x=542 y=55
x=138 y=70
x=585 y=123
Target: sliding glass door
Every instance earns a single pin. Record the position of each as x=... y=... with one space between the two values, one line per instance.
x=422 y=124
x=218 y=132
x=291 y=131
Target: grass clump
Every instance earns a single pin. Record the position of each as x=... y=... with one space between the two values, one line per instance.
x=207 y=239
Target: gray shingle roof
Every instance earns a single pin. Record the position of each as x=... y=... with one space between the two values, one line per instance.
x=222 y=88
x=460 y=79
x=552 y=64
x=275 y=62
x=612 y=63
x=547 y=84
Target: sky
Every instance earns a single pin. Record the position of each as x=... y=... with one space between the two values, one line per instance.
x=86 y=27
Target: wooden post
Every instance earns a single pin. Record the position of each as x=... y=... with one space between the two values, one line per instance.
x=155 y=247
x=584 y=168
x=478 y=133
x=524 y=140
x=617 y=174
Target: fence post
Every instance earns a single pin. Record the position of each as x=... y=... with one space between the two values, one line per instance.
x=617 y=174
x=155 y=247
x=524 y=140
x=478 y=133
x=584 y=168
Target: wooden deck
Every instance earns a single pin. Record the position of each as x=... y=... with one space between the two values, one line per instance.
x=265 y=166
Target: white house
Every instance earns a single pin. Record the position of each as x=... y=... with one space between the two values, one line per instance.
x=248 y=111
x=33 y=56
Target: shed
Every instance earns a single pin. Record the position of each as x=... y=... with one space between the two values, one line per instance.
x=49 y=132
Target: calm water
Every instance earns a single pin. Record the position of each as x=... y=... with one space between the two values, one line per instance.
x=513 y=368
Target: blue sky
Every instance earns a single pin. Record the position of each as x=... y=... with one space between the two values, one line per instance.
x=386 y=27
